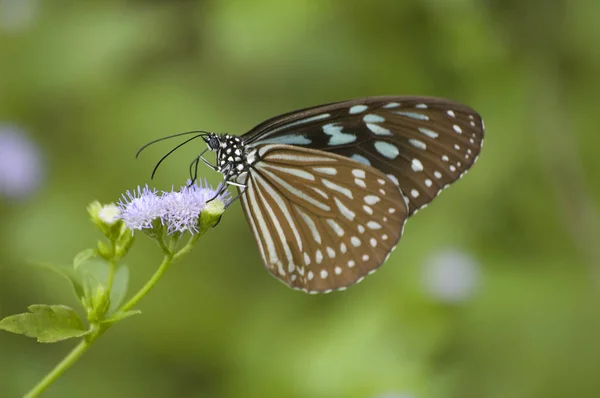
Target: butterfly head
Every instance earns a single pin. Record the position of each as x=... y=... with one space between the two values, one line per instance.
x=232 y=157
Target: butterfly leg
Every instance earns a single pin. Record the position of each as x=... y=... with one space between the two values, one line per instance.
x=224 y=188
x=240 y=193
x=193 y=171
x=206 y=162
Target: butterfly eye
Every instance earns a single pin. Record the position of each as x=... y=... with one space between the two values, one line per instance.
x=213 y=143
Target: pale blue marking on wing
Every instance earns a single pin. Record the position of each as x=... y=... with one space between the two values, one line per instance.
x=412 y=115
x=337 y=137
x=289 y=139
x=361 y=159
x=386 y=149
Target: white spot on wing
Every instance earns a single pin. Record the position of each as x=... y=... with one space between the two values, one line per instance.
x=428 y=132
x=346 y=212
x=361 y=159
x=339 y=231
x=371 y=199
x=337 y=136
x=330 y=252
x=394 y=179
x=373 y=225
x=386 y=149
x=371 y=118
x=412 y=115
x=357 y=109
x=326 y=170
x=360 y=183
x=338 y=188
x=319 y=256
x=417 y=165
x=378 y=130
x=417 y=144
x=359 y=173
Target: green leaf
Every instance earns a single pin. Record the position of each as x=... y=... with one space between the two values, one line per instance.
x=92 y=272
x=47 y=323
x=83 y=256
x=119 y=288
x=71 y=275
x=121 y=315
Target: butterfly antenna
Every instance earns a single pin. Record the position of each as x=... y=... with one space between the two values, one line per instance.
x=199 y=133
x=171 y=151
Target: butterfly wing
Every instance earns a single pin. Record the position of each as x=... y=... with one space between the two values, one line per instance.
x=321 y=221
x=422 y=144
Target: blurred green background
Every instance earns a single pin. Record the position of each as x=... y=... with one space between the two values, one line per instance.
x=493 y=290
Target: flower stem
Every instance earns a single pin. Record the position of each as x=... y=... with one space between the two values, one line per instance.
x=166 y=263
x=111 y=275
x=62 y=366
x=98 y=329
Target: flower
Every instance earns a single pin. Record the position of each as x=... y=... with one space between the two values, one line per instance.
x=18 y=15
x=179 y=210
x=451 y=276
x=109 y=213
x=140 y=208
x=20 y=163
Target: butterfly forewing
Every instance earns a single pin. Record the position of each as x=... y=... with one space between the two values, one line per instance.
x=321 y=221
x=421 y=144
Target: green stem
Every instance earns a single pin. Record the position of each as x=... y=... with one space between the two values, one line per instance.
x=166 y=263
x=62 y=366
x=98 y=330
x=111 y=275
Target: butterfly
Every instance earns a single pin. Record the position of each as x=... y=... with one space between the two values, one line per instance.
x=327 y=190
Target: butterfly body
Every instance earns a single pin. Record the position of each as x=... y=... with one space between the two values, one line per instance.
x=327 y=190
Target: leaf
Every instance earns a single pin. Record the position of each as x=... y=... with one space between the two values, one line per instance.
x=92 y=272
x=83 y=256
x=71 y=275
x=119 y=288
x=120 y=316
x=47 y=323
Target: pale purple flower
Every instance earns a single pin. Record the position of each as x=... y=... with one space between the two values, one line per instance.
x=179 y=210
x=18 y=15
x=20 y=163
x=140 y=208
x=451 y=276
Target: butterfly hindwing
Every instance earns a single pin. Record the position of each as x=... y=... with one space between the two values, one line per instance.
x=321 y=221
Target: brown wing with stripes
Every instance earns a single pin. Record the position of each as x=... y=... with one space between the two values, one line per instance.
x=321 y=221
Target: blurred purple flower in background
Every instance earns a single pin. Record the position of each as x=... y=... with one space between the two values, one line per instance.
x=451 y=276
x=20 y=163
x=177 y=210
x=18 y=15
